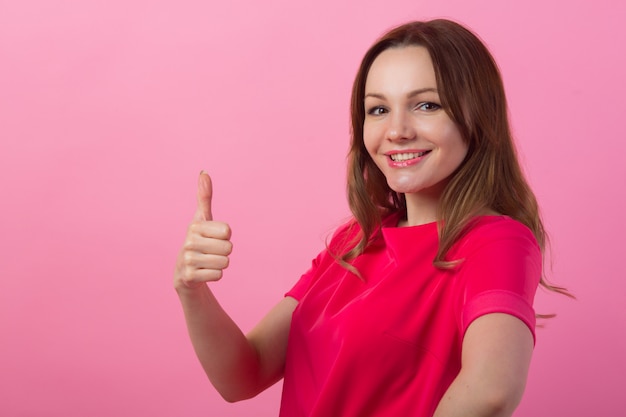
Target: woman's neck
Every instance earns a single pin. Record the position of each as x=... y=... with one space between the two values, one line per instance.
x=421 y=208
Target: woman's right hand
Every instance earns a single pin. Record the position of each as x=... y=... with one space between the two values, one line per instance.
x=204 y=255
x=239 y=366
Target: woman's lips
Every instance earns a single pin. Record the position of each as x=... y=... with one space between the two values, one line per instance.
x=406 y=158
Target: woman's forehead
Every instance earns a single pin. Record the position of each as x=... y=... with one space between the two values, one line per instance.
x=401 y=70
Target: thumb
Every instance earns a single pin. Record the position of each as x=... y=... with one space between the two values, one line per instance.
x=205 y=193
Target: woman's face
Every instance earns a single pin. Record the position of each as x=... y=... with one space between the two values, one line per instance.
x=407 y=133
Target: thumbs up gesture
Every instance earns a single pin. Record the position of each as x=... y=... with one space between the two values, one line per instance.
x=204 y=254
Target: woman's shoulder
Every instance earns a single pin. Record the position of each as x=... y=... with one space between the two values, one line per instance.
x=349 y=230
x=498 y=229
x=498 y=224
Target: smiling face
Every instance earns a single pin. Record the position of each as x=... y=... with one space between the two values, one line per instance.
x=406 y=132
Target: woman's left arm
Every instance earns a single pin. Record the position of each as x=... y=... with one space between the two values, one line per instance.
x=496 y=354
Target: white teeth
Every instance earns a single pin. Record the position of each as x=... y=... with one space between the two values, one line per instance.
x=406 y=156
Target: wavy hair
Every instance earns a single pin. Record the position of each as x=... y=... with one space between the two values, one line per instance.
x=490 y=178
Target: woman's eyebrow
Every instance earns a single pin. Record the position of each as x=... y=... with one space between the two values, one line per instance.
x=421 y=91
x=410 y=95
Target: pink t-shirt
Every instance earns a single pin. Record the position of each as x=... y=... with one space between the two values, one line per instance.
x=390 y=344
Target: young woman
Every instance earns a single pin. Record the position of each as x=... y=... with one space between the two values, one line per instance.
x=422 y=304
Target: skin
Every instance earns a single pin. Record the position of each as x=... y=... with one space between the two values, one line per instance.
x=239 y=366
x=402 y=113
x=496 y=354
x=496 y=349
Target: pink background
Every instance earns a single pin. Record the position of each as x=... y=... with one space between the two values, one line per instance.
x=109 y=109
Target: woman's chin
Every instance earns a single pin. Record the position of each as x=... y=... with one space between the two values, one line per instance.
x=408 y=188
x=402 y=187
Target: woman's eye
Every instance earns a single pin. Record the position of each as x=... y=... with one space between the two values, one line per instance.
x=376 y=111
x=428 y=106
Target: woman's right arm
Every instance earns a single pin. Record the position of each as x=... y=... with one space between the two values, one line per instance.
x=239 y=366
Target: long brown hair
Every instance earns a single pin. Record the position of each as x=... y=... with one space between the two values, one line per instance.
x=490 y=178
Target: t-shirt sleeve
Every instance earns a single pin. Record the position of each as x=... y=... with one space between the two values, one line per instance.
x=304 y=283
x=340 y=237
x=502 y=274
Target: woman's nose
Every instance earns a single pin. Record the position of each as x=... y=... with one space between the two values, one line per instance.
x=400 y=127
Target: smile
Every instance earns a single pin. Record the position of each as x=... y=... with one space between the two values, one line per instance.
x=401 y=157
